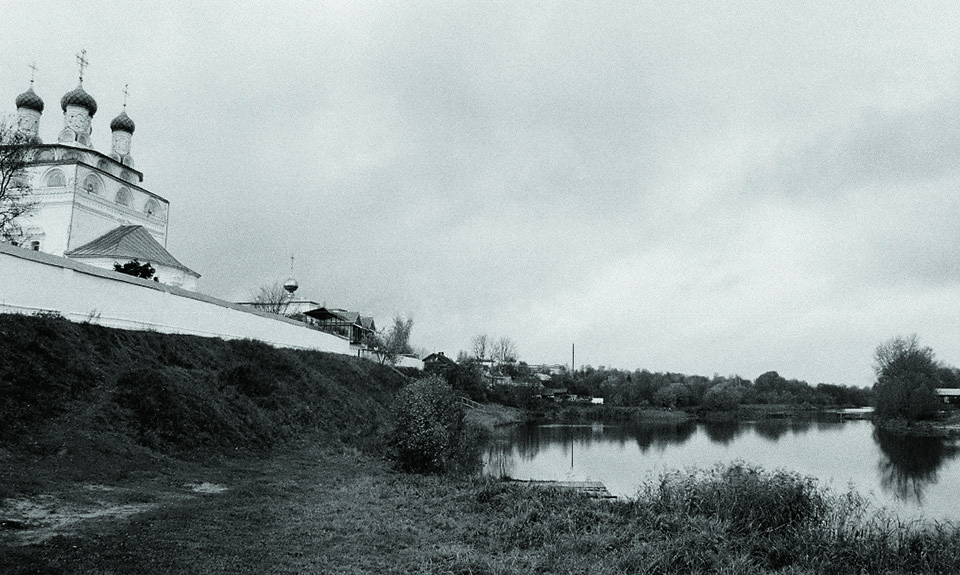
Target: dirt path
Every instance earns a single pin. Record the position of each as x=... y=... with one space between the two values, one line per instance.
x=310 y=511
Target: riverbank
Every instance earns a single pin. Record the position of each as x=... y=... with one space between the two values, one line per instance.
x=312 y=510
x=946 y=426
x=490 y=416
x=613 y=414
x=126 y=452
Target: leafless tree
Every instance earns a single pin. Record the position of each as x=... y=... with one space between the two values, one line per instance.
x=890 y=351
x=481 y=346
x=504 y=351
x=16 y=151
x=273 y=299
x=389 y=345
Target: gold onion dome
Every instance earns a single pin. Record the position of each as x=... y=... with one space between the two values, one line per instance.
x=30 y=100
x=79 y=97
x=122 y=122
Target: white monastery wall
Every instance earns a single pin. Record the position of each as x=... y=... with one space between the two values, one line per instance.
x=35 y=281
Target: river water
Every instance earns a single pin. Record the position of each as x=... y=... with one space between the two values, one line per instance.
x=913 y=477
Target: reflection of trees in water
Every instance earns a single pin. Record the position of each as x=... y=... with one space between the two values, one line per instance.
x=774 y=429
x=527 y=440
x=909 y=464
x=723 y=431
x=499 y=462
x=660 y=435
x=829 y=424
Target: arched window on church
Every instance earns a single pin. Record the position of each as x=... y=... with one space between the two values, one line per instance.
x=92 y=184
x=152 y=209
x=54 y=179
x=123 y=197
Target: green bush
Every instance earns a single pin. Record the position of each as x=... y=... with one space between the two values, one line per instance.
x=430 y=433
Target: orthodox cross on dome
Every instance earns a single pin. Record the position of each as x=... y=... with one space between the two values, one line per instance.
x=83 y=62
x=126 y=92
x=33 y=72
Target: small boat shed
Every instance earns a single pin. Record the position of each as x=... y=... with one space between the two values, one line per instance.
x=948 y=394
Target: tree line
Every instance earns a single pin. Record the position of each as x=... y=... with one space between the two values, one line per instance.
x=642 y=388
x=676 y=390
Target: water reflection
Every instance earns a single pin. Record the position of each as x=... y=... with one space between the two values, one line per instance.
x=774 y=429
x=917 y=476
x=660 y=435
x=527 y=440
x=909 y=465
x=723 y=432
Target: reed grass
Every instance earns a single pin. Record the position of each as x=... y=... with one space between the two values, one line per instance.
x=727 y=519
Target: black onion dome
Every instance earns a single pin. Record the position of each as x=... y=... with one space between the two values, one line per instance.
x=122 y=122
x=78 y=97
x=31 y=100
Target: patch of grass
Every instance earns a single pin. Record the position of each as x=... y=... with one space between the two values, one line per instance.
x=340 y=511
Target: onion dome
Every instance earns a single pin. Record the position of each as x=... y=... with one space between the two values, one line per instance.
x=123 y=123
x=79 y=97
x=291 y=286
x=30 y=100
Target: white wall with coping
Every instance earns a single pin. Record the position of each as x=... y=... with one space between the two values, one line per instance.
x=35 y=281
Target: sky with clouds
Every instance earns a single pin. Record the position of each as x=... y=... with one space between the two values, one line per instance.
x=700 y=187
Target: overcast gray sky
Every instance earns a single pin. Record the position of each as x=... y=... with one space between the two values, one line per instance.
x=704 y=187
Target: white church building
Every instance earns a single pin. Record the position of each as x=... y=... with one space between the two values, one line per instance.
x=91 y=205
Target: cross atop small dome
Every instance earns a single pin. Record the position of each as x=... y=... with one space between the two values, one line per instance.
x=29 y=99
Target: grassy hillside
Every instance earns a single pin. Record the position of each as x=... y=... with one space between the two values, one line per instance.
x=118 y=400
x=125 y=452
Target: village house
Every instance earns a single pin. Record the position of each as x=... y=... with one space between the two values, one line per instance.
x=437 y=363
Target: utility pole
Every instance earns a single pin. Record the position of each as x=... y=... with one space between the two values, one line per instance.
x=573 y=358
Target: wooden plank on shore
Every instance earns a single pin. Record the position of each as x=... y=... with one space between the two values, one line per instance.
x=589 y=488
